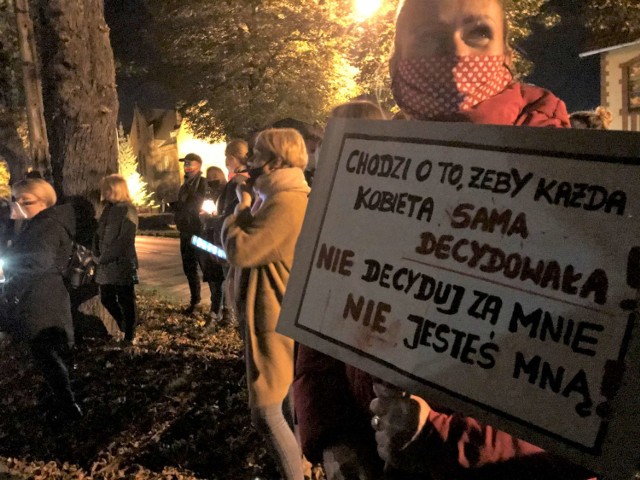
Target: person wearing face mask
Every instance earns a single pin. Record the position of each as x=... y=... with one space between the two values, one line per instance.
x=259 y=239
x=452 y=62
x=236 y=155
x=36 y=306
x=312 y=135
x=212 y=266
x=187 y=218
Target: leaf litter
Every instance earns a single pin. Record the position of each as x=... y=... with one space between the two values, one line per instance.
x=171 y=406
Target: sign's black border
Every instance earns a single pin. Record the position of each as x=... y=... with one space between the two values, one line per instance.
x=596 y=449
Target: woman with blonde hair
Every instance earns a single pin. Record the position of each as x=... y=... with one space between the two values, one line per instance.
x=259 y=240
x=114 y=247
x=598 y=119
x=36 y=306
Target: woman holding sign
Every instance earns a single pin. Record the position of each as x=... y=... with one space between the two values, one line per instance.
x=259 y=241
x=452 y=62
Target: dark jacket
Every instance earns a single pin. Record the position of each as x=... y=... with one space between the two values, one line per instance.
x=187 y=211
x=36 y=291
x=114 y=244
x=229 y=197
x=227 y=200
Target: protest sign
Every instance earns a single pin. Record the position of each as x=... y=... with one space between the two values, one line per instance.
x=489 y=269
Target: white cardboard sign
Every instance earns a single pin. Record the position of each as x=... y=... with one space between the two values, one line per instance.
x=484 y=268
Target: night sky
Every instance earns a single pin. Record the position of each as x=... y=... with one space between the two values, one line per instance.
x=554 y=53
x=557 y=64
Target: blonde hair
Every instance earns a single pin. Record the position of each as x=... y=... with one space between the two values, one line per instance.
x=285 y=146
x=598 y=119
x=238 y=149
x=38 y=187
x=358 y=109
x=117 y=186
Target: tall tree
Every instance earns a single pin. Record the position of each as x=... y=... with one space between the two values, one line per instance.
x=12 y=118
x=80 y=103
x=80 y=98
x=32 y=83
x=241 y=65
x=237 y=66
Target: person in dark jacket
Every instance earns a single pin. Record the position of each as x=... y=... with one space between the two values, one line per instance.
x=187 y=217
x=36 y=305
x=114 y=247
x=236 y=157
x=212 y=267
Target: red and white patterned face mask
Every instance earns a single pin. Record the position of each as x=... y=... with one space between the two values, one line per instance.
x=429 y=87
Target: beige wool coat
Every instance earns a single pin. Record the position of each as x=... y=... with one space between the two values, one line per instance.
x=260 y=248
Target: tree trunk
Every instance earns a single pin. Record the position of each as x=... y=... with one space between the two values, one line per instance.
x=80 y=102
x=31 y=81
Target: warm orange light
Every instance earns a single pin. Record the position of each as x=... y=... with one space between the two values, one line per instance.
x=366 y=8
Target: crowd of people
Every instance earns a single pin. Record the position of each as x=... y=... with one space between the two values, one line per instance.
x=363 y=429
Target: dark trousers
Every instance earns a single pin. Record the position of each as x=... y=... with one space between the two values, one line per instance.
x=217 y=288
x=120 y=302
x=190 y=264
x=192 y=260
x=50 y=350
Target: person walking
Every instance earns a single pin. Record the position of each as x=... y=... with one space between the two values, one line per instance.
x=114 y=247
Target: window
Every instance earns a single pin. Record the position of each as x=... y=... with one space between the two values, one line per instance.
x=631 y=72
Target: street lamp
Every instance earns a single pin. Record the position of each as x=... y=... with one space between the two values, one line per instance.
x=366 y=8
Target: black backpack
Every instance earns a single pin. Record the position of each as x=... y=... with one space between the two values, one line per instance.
x=81 y=269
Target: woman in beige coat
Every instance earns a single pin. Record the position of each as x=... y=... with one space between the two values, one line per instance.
x=260 y=242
